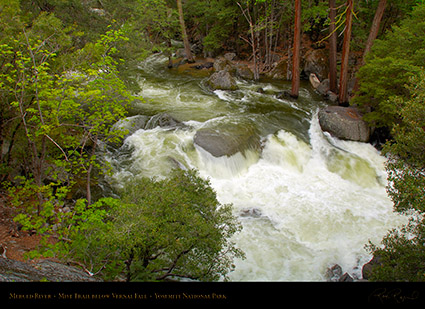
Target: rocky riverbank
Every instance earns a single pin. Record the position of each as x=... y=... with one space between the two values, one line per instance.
x=342 y=122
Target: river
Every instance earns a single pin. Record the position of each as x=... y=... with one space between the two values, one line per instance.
x=306 y=201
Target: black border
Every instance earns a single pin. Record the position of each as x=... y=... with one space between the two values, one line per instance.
x=220 y=293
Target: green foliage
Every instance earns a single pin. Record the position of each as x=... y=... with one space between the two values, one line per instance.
x=69 y=111
x=48 y=220
x=214 y=19
x=314 y=15
x=407 y=168
x=172 y=228
x=390 y=64
x=402 y=253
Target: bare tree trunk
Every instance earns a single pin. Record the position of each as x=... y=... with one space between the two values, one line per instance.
x=332 y=49
x=343 y=83
x=373 y=33
x=248 y=18
x=296 y=51
x=184 y=33
x=254 y=53
x=375 y=27
x=89 y=171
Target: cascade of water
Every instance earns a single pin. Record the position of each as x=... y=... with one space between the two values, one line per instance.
x=307 y=201
x=299 y=216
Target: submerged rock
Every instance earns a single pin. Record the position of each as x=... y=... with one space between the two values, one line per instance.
x=334 y=274
x=163 y=120
x=131 y=124
x=251 y=212
x=227 y=139
x=344 y=123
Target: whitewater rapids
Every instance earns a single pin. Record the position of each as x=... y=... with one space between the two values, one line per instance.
x=306 y=201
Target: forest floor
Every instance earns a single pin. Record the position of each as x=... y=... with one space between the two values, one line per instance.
x=14 y=243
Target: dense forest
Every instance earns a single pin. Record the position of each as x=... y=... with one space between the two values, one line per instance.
x=68 y=73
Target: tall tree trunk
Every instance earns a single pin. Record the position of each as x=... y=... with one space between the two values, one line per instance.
x=343 y=82
x=254 y=53
x=251 y=42
x=184 y=33
x=375 y=27
x=296 y=51
x=332 y=49
x=374 y=30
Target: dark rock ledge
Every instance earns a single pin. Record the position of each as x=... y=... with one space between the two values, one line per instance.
x=45 y=270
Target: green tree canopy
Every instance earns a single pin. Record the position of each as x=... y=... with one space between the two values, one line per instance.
x=402 y=253
x=390 y=64
x=163 y=229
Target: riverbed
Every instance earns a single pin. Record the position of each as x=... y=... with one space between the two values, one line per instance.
x=306 y=200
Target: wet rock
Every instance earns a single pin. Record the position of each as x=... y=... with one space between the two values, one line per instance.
x=345 y=123
x=227 y=139
x=251 y=212
x=163 y=120
x=323 y=87
x=334 y=273
x=331 y=96
x=132 y=124
x=284 y=95
x=222 y=80
x=129 y=124
x=16 y=271
x=346 y=278
x=367 y=268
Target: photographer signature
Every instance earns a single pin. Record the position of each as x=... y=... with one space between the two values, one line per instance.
x=393 y=295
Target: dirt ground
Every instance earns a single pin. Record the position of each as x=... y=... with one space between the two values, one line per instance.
x=14 y=243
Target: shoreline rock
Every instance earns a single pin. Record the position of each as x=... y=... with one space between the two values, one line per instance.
x=45 y=270
x=345 y=123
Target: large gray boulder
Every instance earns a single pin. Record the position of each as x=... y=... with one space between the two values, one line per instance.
x=345 y=123
x=222 y=80
x=227 y=139
x=16 y=271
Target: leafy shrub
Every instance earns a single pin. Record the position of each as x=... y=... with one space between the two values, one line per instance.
x=161 y=229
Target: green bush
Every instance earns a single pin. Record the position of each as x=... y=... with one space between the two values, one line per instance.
x=161 y=229
x=392 y=61
x=402 y=253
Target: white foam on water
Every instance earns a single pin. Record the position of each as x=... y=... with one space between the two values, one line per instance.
x=304 y=205
x=308 y=218
x=301 y=210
